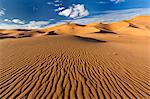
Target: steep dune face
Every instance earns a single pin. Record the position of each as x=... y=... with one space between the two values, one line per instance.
x=72 y=61
x=116 y=26
x=142 y=22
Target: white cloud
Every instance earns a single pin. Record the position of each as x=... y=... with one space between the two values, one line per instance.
x=117 y=1
x=16 y=21
x=7 y=20
x=13 y=24
x=50 y=3
x=36 y=24
x=75 y=11
x=102 y=2
x=51 y=19
x=56 y=3
x=2 y=12
x=66 y=12
x=59 y=9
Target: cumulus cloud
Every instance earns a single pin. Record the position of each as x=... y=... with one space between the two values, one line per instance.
x=75 y=11
x=2 y=12
x=117 y=1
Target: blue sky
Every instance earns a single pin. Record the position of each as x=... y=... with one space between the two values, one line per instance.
x=40 y=13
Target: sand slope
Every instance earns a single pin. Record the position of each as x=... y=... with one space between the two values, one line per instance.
x=99 y=63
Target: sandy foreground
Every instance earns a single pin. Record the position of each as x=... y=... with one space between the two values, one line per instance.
x=68 y=61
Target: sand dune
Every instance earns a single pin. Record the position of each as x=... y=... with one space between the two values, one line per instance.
x=136 y=26
x=73 y=61
x=116 y=26
x=71 y=29
x=141 y=20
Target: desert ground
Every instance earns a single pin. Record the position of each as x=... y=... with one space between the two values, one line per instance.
x=73 y=61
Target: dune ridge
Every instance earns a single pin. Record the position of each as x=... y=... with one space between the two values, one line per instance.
x=139 y=26
x=73 y=61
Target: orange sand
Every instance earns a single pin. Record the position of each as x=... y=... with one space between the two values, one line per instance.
x=77 y=61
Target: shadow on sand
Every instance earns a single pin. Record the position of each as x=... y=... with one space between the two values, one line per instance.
x=52 y=33
x=5 y=37
x=105 y=32
x=90 y=39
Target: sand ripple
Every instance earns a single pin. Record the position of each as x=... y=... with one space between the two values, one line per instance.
x=67 y=67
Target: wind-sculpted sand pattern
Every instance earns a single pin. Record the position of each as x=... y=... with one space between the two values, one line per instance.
x=68 y=67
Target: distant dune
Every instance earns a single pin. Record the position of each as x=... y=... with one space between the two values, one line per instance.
x=69 y=61
x=139 y=25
